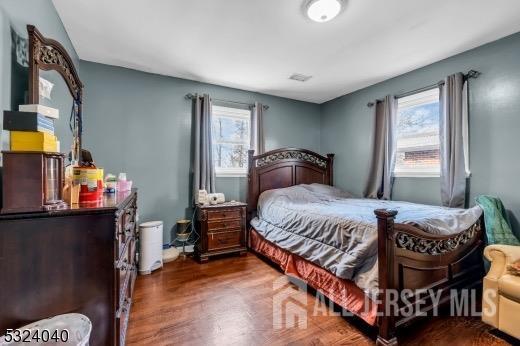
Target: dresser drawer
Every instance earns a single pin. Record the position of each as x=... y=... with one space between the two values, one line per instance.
x=224 y=224
x=129 y=218
x=120 y=235
x=223 y=240
x=224 y=214
x=125 y=227
x=125 y=270
x=122 y=244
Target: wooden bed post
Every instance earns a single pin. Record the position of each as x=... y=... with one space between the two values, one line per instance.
x=330 y=169
x=385 y=248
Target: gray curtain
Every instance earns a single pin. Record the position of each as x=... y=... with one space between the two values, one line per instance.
x=203 y=166
x=453 y=129
x=257 y=129
x=380 y=181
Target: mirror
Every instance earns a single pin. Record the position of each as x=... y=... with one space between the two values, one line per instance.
x=60 y=98
x=48 y=61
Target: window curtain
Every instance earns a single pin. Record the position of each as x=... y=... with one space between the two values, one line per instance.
x=380 y=180
x=453 y=128
x=203 y=166
x=257 y=129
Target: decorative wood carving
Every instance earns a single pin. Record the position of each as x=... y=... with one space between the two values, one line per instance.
x=435 y=247
x=48 y=54
x=292 y=155
x=437 y=263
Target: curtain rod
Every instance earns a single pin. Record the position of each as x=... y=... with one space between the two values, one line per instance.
x=191 y=96
x=470 y=74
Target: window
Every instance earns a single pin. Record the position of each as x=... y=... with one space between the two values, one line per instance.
x=418 y=144
x=231 y=133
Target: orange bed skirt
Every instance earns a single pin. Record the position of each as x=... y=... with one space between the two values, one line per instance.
x=343 y=292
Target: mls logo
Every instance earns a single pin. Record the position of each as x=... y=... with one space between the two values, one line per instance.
x=289 y=303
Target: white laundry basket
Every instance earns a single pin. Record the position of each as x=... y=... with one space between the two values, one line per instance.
x=150 y=240
x=70 y=329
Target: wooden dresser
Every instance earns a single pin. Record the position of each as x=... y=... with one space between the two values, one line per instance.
x=222 y=230
x=74 y=260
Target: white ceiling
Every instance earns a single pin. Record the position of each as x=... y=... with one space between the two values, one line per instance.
x=256 y=44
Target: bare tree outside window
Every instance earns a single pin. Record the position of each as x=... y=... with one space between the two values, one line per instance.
x=219 y=146
x=231 y=140
x=239 y=152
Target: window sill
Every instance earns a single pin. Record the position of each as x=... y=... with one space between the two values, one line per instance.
x=231 y=175
x=421 y=175
x=416 y=175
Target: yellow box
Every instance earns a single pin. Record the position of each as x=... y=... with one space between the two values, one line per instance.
x=33 y=141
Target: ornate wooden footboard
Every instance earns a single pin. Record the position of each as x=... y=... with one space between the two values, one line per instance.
x=421 y=267
x=429 y=267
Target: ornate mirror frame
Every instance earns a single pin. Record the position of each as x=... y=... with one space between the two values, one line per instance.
x=47 y=54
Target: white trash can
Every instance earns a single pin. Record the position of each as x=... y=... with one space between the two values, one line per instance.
x=67 y=329
x=150 y=249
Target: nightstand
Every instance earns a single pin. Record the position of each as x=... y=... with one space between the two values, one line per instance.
x=222 y=230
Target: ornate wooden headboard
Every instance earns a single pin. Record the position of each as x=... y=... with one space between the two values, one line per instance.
x=283 y=168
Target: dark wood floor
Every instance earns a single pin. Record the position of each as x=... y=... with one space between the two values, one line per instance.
x=229 y=301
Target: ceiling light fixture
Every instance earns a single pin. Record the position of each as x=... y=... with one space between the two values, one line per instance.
x=299 y=77
x=323 y=10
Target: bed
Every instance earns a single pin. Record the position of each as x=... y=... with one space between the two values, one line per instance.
x=292 y=207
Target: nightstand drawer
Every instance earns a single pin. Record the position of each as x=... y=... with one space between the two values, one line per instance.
x=224 y=214
x=223 y=240
x=224 y=224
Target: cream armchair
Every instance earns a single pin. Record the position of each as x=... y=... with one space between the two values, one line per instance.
x=501 y=296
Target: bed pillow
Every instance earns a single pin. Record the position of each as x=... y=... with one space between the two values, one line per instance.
x=328 y=190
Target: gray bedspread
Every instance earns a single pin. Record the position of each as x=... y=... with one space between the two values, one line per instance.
x=332 y=229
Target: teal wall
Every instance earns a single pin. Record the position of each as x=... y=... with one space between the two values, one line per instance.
x=140 y=123
x=346 y=126
x=16 y=14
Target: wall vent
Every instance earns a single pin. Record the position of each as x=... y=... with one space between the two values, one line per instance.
x=300 y=77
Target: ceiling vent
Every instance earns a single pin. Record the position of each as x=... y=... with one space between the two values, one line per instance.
x=300 y=77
